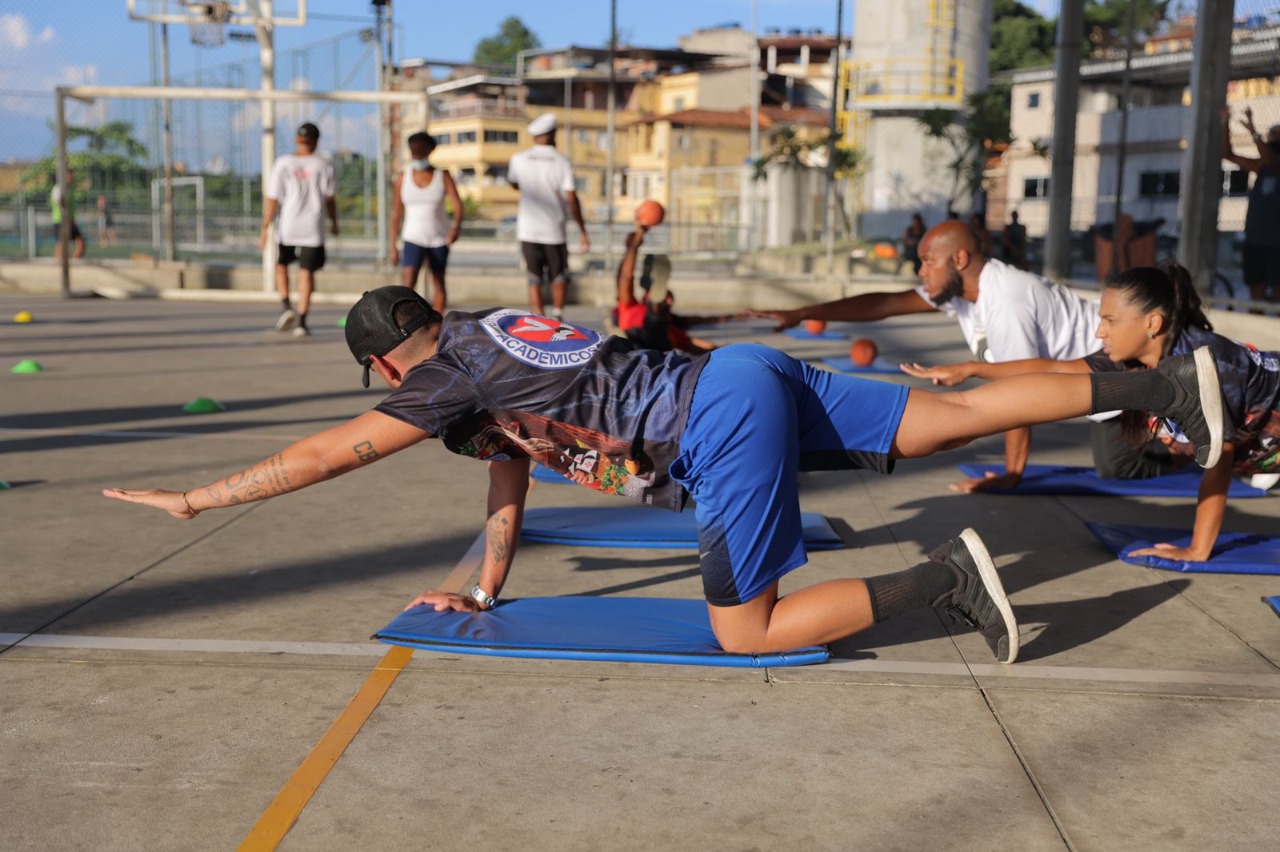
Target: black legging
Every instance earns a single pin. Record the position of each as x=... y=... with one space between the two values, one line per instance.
x=1116 y=457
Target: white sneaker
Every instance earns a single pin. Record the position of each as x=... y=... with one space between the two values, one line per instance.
x=287 y=320
x=1264 y=481
x=302 y=331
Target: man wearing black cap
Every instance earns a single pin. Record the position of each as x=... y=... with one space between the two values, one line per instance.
x=508 y=387
x=300 y=188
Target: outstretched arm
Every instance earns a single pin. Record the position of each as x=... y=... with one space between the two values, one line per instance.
x=627 y=268
x=949 y=375
x=866 y=307
x=1211 y=505
x=317 y=458
x=508 y=486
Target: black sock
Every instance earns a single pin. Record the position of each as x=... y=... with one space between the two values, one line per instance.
x=302 y=320
x=1132 y=390
x=914 y=588
x=287 y=306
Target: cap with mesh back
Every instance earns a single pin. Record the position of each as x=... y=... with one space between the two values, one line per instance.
x=309 y=131
x=382 y=320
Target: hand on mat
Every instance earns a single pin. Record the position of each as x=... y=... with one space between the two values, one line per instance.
x=784 y=319
x=946 y=375
x=1164 y=550
x=445 y=600
x=169 y=501
x=987 y=482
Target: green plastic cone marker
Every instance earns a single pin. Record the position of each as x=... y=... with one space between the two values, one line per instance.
x=342 y=323
x=203 y=405
x=4 y=486
x=28 y=365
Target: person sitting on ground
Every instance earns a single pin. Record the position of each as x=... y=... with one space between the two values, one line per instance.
x=1005 y=314
x=730 y=429
x=649 y=320
x=1149 y=315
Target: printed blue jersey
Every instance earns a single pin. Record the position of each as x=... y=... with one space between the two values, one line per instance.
x=506 y=383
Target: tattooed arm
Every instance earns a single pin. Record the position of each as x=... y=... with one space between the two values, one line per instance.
x=508 y=486
x=322 y=456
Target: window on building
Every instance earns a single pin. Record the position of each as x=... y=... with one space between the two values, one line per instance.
x=580 y=185
x=685 y=141
x=677 y=105
x=1035 y=187
x=1033 y=100
x=584 y=135
x=444 y=138
x=466 y=177
x=1159 y=184
x=507 y=136
x=465 y=136
x=1235 y=182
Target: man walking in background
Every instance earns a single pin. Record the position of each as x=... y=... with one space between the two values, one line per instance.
x=300 y=188
x=544 y=178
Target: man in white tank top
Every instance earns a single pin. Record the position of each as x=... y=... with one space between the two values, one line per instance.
x=301 y=189
x=544 y=178
x=419 y=217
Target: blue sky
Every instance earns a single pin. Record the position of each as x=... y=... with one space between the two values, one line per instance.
x=44 y=43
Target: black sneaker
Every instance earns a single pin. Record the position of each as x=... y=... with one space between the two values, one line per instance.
x=978 y=600
x=1197 y=404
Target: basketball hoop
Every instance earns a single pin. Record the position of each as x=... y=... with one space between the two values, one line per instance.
x=208 y=23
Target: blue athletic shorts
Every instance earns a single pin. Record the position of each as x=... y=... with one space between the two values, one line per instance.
x=758 y=418
x=414 y=256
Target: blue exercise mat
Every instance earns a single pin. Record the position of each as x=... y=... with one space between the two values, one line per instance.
x=623 y=630
x=800 y=333
x=845 y=365
x=1273 y=602
x=546 y=474
x=1234 y=553
x=641 y=526
x=1065 y=479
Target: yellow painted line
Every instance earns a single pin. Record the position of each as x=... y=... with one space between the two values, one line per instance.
x=284 y=810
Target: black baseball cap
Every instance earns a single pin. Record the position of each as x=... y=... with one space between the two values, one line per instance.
x=371 y=323
x=309 y=131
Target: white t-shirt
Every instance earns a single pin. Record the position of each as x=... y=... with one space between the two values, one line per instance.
x=544 y=176
x=1020 y=315
x=301 y=183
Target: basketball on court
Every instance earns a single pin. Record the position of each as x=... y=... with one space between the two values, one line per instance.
x=863 y=351
x=815 y=327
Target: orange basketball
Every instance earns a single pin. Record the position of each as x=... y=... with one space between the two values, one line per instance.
x=863 y=351
x=650 y=213
x=885 y=251
x=815 y=327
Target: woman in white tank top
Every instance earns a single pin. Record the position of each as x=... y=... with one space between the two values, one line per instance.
x=419 y=217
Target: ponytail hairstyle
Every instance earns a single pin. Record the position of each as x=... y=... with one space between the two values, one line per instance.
x=1168 y=289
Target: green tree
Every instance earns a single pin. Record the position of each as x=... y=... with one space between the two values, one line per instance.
x=1106 y=22
x=790 y=151
x=1020 y=37
x=502 y=49
x=111 y=157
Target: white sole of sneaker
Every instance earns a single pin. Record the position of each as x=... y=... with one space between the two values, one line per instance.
x=1210 y=402
x=991 y=581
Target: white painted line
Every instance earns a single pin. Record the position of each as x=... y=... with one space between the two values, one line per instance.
x=1080 y=673
x=204 y=646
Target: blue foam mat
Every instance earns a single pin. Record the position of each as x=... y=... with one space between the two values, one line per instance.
x=641 y=526
x=1273 y=602
x=845 y=365
x=1066 y=479
x=799 y=333
x=613 y=629
x=1234 y=553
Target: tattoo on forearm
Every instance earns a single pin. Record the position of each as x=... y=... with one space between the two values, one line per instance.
x=499 y=539
x=365 y=451
x=265 y=479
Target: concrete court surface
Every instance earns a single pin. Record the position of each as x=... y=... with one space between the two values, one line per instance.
x=168 y=677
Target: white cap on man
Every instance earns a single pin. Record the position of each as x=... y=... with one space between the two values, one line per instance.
x=543 y=124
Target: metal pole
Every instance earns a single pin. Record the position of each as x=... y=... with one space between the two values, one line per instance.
x=1066 y=101
x=267 y=57
x=383 y=144
x=753 y=208
x=613 y=108
x=828 y=219
x=167 y=107
x=1123 y=139
x=64 y=193
x=1201 y=182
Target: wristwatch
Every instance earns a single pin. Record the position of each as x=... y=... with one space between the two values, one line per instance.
x=480 y=596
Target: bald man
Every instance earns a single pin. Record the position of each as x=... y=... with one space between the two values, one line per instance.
x=1005 y=314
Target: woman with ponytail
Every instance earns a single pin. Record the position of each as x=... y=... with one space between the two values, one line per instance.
x=1147 y=315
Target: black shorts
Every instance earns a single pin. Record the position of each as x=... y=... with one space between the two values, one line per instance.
x=309 y=258
x=1260 y=264
x=75 y=232
x=545 y=263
